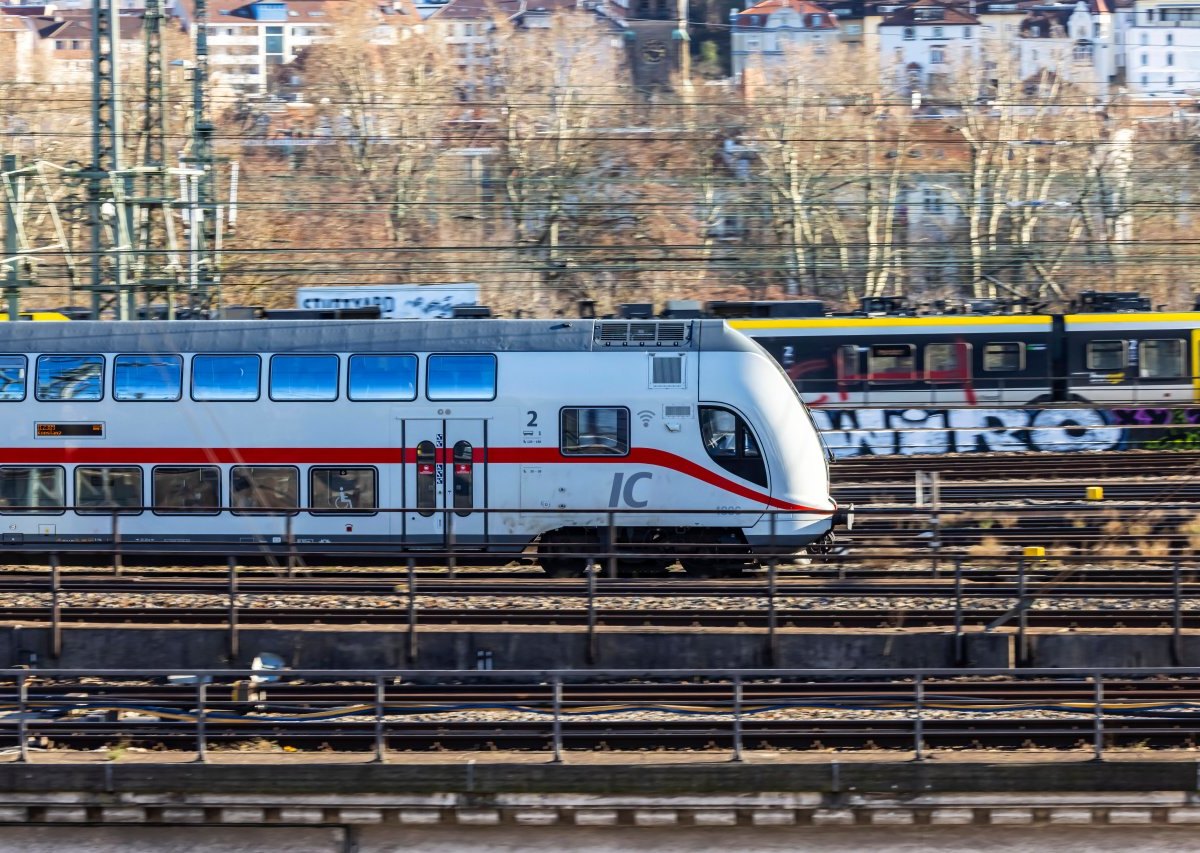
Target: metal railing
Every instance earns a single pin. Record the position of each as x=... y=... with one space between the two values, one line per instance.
x=377 y=711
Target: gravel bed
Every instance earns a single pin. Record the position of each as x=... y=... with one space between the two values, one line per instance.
x=155 y=601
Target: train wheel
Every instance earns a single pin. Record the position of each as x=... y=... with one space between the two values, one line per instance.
x=566 y=553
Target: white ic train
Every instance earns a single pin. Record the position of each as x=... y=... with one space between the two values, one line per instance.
x=394 y=438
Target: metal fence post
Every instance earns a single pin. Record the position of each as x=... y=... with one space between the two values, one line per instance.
x=1177 y=617
x=412 y=611
x=737 y=719
x=919 y=720
x=380 y=746
x=22 y=722
x=611 y=545
x=55 y=609
x=959 y=639
x=935 y=521
x=772 y=637
x=234 y=644
x=1098 y=740
x=289 y=540
x=451 y=562
x=201 y=722
x=116 y=537
x=557 y=732
x=1023 y=615
x=592 y=568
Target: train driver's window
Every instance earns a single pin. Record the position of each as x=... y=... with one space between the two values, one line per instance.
x=594 y=431
x=147 y=377
x=225 y=377
x=1006 y=357
x=304 y=377
x=186 y=490
x=947 y=362
x=99 y=491
x=70 y=377
x=731 y=444
x=347 y=491
x=383 y=377
x=1106 y=355
x=38 y=491
x=12 y=377
x=264 y=489
x=1163 y=358
x=461 y=377
x=891 y=363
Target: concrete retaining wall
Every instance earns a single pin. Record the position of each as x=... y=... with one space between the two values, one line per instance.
x=465 y=648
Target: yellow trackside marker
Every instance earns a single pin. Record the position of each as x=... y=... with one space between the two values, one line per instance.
x=1095 y=493
x=1034 y=551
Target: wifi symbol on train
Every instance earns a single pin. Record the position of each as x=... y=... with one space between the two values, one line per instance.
x=646 y=415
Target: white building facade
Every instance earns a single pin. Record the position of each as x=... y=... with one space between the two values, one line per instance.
x=923 y=43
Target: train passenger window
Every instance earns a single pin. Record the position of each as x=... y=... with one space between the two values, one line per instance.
x=347 y=491
x=947 y=362
x=891 y=363
x=37 y=491
x=70 y=377
x=304 y=377
x=147 y=377
x=594 y=432
x=383 y=377
x=1163 y=358
x=225 y=377
x=731 y=444
x=1006 y=357
x=12 y=377
x=461 y=377
x=848 y=368
x=99 y=491
x=269 y=489
x=1106 y=355
x=186 y=490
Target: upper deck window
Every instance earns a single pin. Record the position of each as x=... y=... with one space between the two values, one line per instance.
x=383 y=377
x=148 y=377
x=890 y=362
x=12 y=377
x=70 y=377
x=1163 y=358
x=304 y=377
x=461 y=377
x=1106 y=355
x=225 y=377
x=1004 y=357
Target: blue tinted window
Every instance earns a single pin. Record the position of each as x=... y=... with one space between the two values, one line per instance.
x=225 y=377
x=461 y=377
x=12 y=377
x=383 y=377
x=147 y=377
x=304 y=377
x=70 y=377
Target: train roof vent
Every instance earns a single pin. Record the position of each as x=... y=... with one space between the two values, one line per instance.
x=651 y=333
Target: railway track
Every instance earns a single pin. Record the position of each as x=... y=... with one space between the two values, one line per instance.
x=1033 y=466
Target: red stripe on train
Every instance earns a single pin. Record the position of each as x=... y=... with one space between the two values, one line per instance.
x=373 y=456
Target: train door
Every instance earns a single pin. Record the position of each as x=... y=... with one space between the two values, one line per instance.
x=445 y=482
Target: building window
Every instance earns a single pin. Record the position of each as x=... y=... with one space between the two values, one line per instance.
x=1145 y=80
x=1145 y=59
x=937 y=55
x=939 y=32
x=1170 y=80
x=932 y=199
x=1170 y=59
x=59 y=44
x=1170 y=39
x=966 y=32
x=910 y=33
x=1145 y=39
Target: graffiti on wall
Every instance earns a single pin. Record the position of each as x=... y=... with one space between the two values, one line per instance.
x=907 y=432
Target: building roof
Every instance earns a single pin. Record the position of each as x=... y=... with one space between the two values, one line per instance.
x=78 y=25
x=486 y=10
x=928 y=13
x=759 y=14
